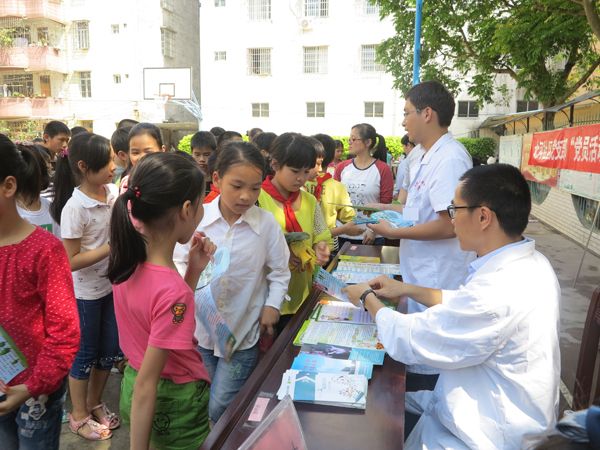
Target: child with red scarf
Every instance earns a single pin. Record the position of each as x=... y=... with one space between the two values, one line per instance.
x=296 y=211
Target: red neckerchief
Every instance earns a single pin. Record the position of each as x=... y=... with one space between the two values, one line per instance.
x=214 y=193
x=291 y=223
x=320 y=180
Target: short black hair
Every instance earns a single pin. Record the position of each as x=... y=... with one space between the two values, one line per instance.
x=328 y=148
x=294 y=150
x=406 y=141
x=127 y=123
x=119 y=140
x=77 y=130
x=434 y=95
x=503 y=189
x=217 y=131
x=264 y=140
x=202 y=139
x=227 y=136
x=252 y=133
x=55 y=127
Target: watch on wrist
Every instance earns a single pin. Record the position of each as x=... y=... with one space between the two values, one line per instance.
x=363 y=297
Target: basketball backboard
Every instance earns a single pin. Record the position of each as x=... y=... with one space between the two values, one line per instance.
x=174 y=83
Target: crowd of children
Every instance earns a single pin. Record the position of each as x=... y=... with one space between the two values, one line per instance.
x=139 y=226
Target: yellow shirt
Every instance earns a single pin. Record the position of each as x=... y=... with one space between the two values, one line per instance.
x=311 y=220
x=333 y=194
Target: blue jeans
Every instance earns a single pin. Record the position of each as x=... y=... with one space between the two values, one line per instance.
x=35 y=425
x=99 y=346
x=227 y=377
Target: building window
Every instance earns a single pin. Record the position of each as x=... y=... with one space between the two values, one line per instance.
x=219 y=3
x=539 y=192
x=586 y=211
x=259 y=61
x=370 y=8
x=85 y=84
x=373 y=109
x=260 y=110
x=368 y=55
x=315 y=59
x=315 y=109
x=221 y=56
x=43 y=35
x=468 y=108
x=167 y=41
x=115 y=28
x=316 y=8
x=20 y=85
x=82 y=35
x=259 y=9
x=117 y=78
x=527 y=105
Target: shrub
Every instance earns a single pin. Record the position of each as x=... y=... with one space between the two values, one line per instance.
x=479 y=148
x=185 y=143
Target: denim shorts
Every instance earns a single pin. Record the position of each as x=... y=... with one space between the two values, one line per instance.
x=99 y=346
x=35 y=425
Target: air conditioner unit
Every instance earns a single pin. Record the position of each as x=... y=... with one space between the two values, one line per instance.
x=306 y=24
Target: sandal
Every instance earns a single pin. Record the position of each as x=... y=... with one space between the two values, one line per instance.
x=110 y=419
x=98 y=432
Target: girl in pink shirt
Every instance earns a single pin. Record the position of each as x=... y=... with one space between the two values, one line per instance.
x=165 y=393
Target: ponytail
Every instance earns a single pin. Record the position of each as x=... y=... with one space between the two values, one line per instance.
x=64 y=183
x=127 y=245
x=380 y=151
x=377 y=148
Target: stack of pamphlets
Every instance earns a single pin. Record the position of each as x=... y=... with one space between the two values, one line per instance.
x=375 y=357
x=305 y=362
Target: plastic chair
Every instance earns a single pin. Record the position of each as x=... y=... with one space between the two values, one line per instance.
x=585 y=392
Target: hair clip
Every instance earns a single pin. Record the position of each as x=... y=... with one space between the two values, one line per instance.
x=64 y=153
x=137 y=192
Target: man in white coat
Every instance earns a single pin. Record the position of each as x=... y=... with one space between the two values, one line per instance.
x=494 y=339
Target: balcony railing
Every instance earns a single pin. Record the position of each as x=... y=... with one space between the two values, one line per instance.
x=33 y=9
x=33 y=58
x=25 y=107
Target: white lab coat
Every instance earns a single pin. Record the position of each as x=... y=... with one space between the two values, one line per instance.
x=495 y=341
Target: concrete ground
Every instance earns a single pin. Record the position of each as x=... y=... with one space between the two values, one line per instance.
x=565 y=256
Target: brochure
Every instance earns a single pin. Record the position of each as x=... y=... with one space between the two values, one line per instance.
x=215 y=268
x=346 y=334
x=12 y=361
x=350 y=277
x=360 y=259
x=281 y=429
x=208 y=315
x=375 y=357
x=366 y=209
x=333 y=311
x=395 y=218
x=321 y=364
x=348 y=391
x=330 y=284
x=377 y=269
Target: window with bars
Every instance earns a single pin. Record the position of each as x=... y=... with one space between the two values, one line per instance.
x=259 y=9
x=167 y=41
x=260 y=110
x=85 y=84
x=316 y=8
x=584 y=207
x=19 y=84
x=117 y=78
x=43 y=35
x=368 y=57
x=373 y=109
x=219 y=3
x=221 y=56
x=468 y=108
x=370 y=8
x=315 y=109
x=82 y=35
x=259 y=61
x=315 y=59
x=115 y=28
x=527 y=105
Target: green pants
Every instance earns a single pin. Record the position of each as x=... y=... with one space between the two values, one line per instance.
x=180 y=415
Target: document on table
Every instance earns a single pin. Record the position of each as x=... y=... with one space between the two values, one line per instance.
x=330 y=284
x=333 y=311
x=346 y=334
x=385 y=269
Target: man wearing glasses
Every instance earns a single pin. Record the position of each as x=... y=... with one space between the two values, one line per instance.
x=429 y=252
x=494 y=339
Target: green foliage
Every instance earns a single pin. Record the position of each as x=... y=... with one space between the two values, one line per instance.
x=185 y=143
x=479 y=148
x=21 y=130
x=546 y=46
x=6 y=38
x=392 y=142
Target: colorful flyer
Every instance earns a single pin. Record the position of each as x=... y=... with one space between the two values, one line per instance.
x=12 y=361
x=377 y=269
x=321 y=364
x=215 y=268
x=208 y=315
x=330 y=284
x=345 y=334
x=332 y=311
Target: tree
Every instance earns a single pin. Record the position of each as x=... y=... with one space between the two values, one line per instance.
x=546 y=46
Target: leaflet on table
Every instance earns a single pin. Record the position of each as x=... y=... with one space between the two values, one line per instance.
x=348 y=391
x=347 y=334
x=385 y=269
x=321 y=364
x=330 y=284
x=334 y=311
x=360 y=259
x=280 y=430
x=12 y=361
x=208 y=314
x=375 y=357
x=350 y=277
x=215 y=268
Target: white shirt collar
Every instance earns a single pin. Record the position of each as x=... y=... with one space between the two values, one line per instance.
x=212 y=213
x=89 y=202
x=435 y=147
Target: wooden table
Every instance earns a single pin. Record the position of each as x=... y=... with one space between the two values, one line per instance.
x=380 y=426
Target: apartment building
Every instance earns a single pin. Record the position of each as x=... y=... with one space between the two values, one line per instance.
x=82 y=61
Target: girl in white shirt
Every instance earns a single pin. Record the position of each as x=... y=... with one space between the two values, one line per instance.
x=30 y=205
x=83 y=200
x=249 y=295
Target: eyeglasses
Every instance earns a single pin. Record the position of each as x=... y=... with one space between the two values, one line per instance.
x=452 y=209
x=352 y=139
x=407 y=113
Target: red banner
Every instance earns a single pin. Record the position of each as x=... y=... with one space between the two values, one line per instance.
x=576 y=148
